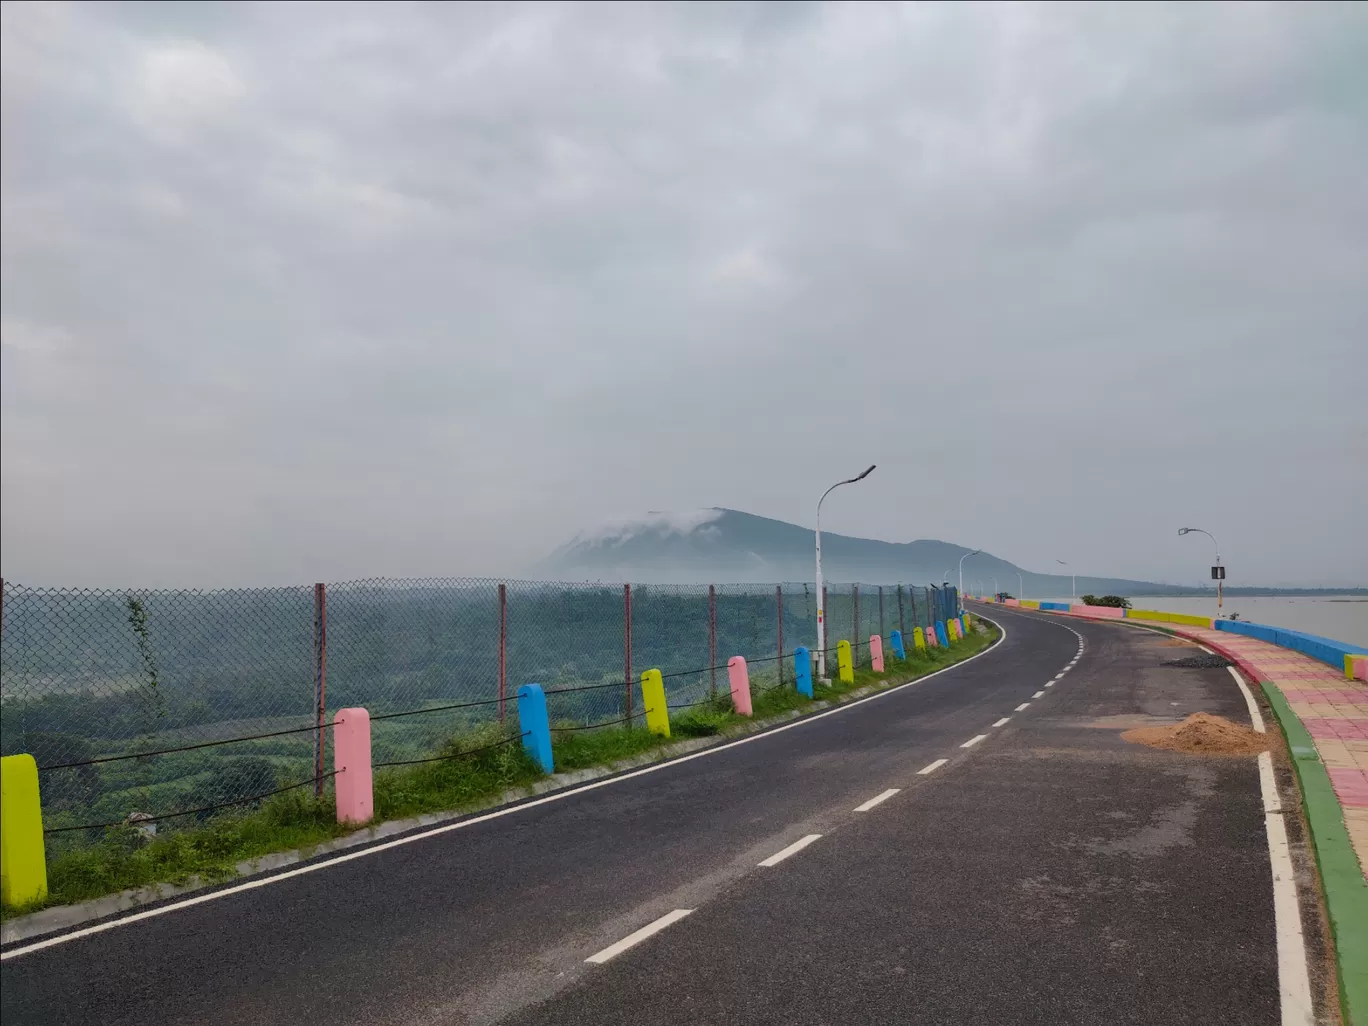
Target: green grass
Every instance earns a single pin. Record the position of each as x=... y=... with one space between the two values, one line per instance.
x=297 y=820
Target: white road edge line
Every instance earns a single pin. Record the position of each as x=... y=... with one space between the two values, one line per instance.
x=877 y=799
x=1294 y=984
x=633 y=939
x=796 y=846
x=569 y=792
x=1023 y=705
x=973 y=741
x=1267 y=784
x=1000 y=722
x=1060 y=674
x=932 y=768
x=1255 y=717
x=1040 y=694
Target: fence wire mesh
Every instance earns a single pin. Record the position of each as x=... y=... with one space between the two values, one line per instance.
x=89 y=678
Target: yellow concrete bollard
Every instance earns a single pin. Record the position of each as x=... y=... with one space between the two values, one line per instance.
x=23 y=867
x=845 y=668
x=919 y=639
x=653 y=697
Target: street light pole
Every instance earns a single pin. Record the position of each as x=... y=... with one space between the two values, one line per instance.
x=996 y=590
x=821 y=613
x=961 y=571
x=1220 y=582
x=1073 y=578
x=1021 y=588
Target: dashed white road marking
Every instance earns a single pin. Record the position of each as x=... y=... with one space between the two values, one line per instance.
x=1002 y=721
x=1255 y=717
x=1040 y=694
x=633 y=939
x=1060 y=674
x=793 y=848
x=932 y=768
x=973 y=741
x=1023 y=705
x=877 y=799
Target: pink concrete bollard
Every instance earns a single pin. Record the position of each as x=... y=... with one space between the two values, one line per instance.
x=876 y=653
x=740 y=684
x=352 y=760
x=1360 y=667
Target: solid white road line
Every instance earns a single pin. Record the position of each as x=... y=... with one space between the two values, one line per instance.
x=932 y=768
x=1294 y=984
x=973 y=741
x=1040 y=694
x=633 y=939
x=463 y=824
x=1267 y=784
x=796 y=846
x=1254 y=715
x=1002 y=721
x=1023 y=705
x=877 y=799
x=1206 y=650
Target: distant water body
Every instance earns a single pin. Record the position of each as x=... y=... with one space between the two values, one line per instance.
x=1342 y=617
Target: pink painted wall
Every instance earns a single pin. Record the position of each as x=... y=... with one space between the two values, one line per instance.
x=876 y=653
x=352 y=760
x=740 y=684
x=1012 y=602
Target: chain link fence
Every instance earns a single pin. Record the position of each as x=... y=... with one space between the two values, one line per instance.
x=98 y=684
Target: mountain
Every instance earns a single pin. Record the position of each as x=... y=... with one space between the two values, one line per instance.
x=715 y=546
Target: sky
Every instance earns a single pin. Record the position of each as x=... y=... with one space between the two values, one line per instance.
x=310 y=292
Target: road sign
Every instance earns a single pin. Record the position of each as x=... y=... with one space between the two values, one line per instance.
x=1218 y=573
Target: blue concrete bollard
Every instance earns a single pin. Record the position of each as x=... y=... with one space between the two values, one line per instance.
x=942 y=638
x=802 y=670
x=899 y=650
x=536 y=728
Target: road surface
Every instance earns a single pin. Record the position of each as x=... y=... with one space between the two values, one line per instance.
x=1045 y=873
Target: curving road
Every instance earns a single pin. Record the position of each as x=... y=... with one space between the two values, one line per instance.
x=1048 y=873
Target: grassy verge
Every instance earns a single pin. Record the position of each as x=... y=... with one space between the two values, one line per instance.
x=122 y=859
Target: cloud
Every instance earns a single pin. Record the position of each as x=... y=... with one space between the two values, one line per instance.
x=298 y=292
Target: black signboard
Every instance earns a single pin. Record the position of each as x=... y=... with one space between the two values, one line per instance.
x=1218 y=573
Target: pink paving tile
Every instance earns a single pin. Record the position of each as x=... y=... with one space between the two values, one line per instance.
x=1345 y=730
x=1320 y=695
x=1351 y=785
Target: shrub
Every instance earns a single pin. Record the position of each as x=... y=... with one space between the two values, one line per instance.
x=1116 y=601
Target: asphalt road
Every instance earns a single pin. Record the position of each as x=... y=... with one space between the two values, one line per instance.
x=1050 y=873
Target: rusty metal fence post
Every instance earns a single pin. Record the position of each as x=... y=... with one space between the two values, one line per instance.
x=712 y=639
x=503 y=650
x=779 y=605
x=902 y=620
x=320 y=680
x=882 y=633
x=627 y=644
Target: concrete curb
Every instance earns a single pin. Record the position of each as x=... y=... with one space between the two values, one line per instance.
x=1342 y=882
x=64 y=917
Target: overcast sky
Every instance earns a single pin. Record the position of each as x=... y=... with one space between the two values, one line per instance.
x=297 y=293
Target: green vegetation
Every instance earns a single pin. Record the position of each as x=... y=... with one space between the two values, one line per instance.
x=1115 y=601
x=123 y=858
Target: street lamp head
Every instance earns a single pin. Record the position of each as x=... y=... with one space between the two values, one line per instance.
x=864 y=475
x=1061 y=562
x=1186 y=530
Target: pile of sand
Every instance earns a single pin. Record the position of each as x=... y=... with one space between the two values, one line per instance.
x=1201 y=734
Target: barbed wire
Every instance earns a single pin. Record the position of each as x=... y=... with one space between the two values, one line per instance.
x=591 y=726
x=456 y=755
x=184 y=748
x=195 y=812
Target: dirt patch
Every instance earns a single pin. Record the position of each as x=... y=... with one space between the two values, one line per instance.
x=1201 y=734
x=1200 y=662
